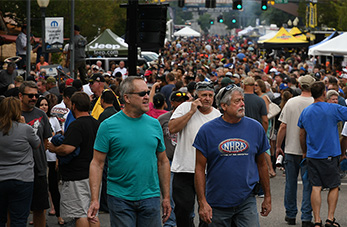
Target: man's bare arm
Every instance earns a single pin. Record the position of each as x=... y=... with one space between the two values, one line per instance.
x=280 y=137
x=265 y=184
x=164 y=180
x=303 y=141
x=95 y=176
x=205 y=210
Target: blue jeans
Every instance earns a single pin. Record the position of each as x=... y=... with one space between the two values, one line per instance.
x=15 y=197
x=141 y=213
x=243 y=215
x=292 y=166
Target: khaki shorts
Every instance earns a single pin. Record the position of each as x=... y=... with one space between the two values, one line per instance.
x=75 y=198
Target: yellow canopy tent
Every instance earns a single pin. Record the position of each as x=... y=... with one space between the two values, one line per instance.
x=296 y=31
x=283 y=39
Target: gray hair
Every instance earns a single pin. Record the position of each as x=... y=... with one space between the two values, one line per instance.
x=331 y=93
x=127 y=85
x=226 y=96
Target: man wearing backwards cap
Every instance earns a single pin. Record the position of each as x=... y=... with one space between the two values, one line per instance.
x=97 y=85
x=319 y=140
x=176 y=98
x=294 y=154
x=233 y=149
x=186 y=121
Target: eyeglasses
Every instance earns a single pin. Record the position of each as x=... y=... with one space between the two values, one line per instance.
x=227 y=88
x=32 y=95
x=141 y=94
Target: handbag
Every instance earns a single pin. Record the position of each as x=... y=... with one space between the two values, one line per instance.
x=274 y=109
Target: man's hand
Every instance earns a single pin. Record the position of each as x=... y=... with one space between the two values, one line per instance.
x=166 y=209
x=266 y=207
x=92 y=211
x=195 y=105
x=205 y=212
x=51 y=147
x=279 y=151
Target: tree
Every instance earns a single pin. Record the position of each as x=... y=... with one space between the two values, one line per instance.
x=204 y=21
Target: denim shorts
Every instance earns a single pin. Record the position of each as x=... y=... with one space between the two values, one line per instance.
x=141 y=213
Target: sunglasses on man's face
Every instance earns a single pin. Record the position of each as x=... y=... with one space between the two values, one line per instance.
x=31 y=95
x=141 y=94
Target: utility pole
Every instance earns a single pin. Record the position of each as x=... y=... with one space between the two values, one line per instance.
x=132 y=37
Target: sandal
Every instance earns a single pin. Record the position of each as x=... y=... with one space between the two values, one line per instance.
x=331 y=223
x=318 y=224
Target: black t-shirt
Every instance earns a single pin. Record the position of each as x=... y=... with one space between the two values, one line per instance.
x=80 y=133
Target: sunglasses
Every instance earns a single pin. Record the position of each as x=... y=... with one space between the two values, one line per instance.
x=141 y=94
x=227 y=88
x=181 y=94
x=204 y=85
x=32 y=95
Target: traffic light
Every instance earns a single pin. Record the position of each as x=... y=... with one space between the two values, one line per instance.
x=181 y=3
x=210 y=3
x=211 y=22
x=237 y=4
x=264 y=5
x=220 y=19
x=233 y=20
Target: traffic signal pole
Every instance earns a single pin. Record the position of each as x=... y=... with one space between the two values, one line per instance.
x=132 y=43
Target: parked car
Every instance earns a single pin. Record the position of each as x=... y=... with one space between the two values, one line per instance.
x=149 y=55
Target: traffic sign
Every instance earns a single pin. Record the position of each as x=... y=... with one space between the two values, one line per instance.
x=281 y=1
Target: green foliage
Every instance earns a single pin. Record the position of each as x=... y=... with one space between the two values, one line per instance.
x=204 y=21
x=181 y=14
x=89 y=15
x=275 y=16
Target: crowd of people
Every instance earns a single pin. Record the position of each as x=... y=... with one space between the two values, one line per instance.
x=209 y=116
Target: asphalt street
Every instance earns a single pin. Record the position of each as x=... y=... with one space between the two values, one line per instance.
x=276 y=217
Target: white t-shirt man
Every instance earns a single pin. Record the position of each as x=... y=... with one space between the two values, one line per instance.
x=290 y=116
x=184 y=156
x=123 y=70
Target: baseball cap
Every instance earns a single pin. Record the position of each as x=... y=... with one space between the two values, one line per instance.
x=226 y=81
x=51 y=80
x=236 y=76
x=228 y=74
x=306 y=80
x=343 y=76
x=273 y=70
x=69 y=82
x=179 y=96
x=97 y=77
x=283 y=86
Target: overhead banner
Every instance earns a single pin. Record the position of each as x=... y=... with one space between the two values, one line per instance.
x=54 y=35
x=312 y=20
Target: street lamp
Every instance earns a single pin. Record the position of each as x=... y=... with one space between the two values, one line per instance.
x=43 y=5
x=290 y=23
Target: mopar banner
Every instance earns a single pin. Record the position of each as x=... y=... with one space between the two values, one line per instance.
x=54 y=36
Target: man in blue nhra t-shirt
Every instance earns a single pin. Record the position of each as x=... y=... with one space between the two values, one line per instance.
x=233 y=148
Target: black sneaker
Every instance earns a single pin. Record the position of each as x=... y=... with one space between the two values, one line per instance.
x=290 y=221
x=307 y=224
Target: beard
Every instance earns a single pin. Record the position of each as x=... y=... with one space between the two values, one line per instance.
x=240 y=112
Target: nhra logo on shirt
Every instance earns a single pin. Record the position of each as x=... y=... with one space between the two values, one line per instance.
x=233 y=146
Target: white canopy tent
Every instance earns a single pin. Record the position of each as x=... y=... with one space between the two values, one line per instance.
x=267 y=36
x=245 y=31
x=335 y=46
x=187 y=32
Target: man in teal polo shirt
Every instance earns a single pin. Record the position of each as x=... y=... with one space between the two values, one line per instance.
x=134 y=145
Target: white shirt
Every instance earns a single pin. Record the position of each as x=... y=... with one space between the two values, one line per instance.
x=124 y=72
x=290 y=116
x=184 y=156
x=52 y=157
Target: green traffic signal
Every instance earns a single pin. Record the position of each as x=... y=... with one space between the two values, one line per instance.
x=233 y=21
x=211 y=22
x=239 y=6
x=264 y=7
